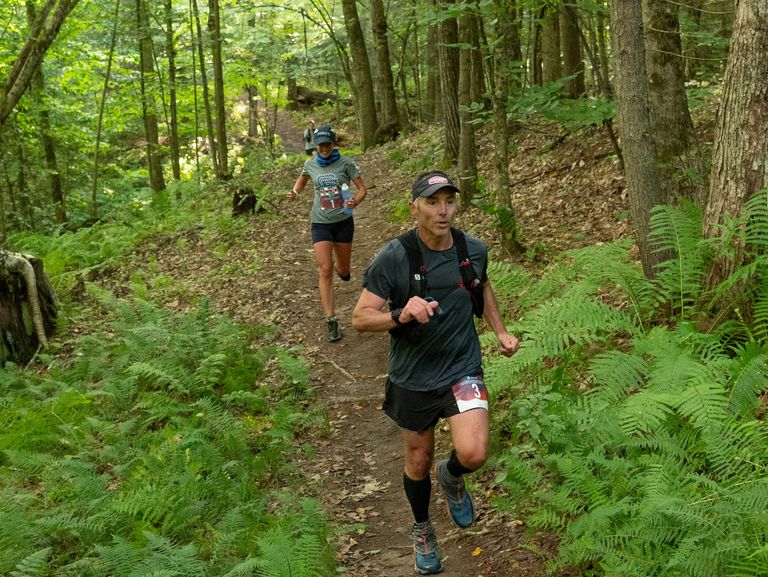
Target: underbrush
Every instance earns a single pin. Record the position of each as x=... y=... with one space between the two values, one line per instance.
x=158 y=443
x=632 y=420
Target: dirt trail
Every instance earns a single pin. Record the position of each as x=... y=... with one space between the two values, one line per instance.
x=358 y=466
x=268 y=275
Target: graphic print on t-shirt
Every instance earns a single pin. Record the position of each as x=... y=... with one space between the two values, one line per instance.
x=330 y=191
x=470 y=393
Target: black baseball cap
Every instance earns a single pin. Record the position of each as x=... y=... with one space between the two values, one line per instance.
x=428 y=183
x=324 y=133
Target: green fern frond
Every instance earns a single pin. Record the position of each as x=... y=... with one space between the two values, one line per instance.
x=760 y=314
x=560 y=324
x=609 y=267
x=756 y=216
x=735 y=451
x=151 y=376
x=645 y=411
x=34 y=565
x=617 y=373
x=677 y=234
x=748 y=379
x=161 y=558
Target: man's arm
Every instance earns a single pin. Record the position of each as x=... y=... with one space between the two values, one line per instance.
x=508 y=344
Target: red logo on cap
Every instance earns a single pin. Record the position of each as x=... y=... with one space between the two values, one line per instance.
x=437 y=180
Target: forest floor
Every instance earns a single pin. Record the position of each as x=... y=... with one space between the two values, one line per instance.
x=568 y=192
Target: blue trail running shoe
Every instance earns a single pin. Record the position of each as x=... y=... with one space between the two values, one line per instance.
x=460 y=504
x=425 y=546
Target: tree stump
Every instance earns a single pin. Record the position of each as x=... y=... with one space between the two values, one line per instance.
x=28 y=307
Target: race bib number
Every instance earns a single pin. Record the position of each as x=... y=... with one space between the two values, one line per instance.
x=330 y=192
x=470 y=393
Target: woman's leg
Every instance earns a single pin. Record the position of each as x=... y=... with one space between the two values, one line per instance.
x=343 y=251
x=324 y=259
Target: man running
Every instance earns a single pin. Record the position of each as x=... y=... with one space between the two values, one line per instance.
x=433 y=279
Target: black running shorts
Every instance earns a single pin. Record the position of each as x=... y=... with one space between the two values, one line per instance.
x=421 y=410
x=341 y=231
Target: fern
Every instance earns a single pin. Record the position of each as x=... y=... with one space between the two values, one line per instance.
x=747 y=380
x=34 y=565
x=677 y=235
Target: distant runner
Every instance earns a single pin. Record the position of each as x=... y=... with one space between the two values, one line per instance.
x=333 y=225
x=309 y=144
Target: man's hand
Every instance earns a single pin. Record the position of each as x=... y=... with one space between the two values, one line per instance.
x=418 y=309
x=508 y=345
x=292 y=194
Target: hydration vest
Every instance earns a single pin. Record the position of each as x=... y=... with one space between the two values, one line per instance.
x=417 y=271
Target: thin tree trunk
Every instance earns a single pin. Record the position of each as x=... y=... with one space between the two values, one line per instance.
x=148 y=100
x=603 y=51
x=46 y=137
x=212 y=149
x=550 y=46
x=433 y=106
x=170 y=48
x=214 y=29
x=467 y=157
x=100 y=119
x=641 y=170
x=506 y=51
x=40 y=38
x=366 y=103
x=573 y=65
x=390 y=119
x=448 y=57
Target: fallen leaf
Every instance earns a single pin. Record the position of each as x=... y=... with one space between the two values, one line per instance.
x=476 y=552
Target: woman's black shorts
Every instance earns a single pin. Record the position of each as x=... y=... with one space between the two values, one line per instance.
x=341 y=231
x=420 y=410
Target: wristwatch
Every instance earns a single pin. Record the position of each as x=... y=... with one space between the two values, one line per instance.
x=395 y=314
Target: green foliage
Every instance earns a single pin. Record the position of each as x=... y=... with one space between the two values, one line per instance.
x=145 y=452
x=547 y=101
x=642 y=442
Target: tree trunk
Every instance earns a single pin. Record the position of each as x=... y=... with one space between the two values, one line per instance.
x=148 y=101
x=603 y=51
x=467 y=156
x=214 y=30
x=390 y=121
x=46 y=136
x=41 y=36
x=212 y=148
x=94 y=209
x=739 y=168
x=671 y=120
x=640 y=167
x=433 y=111
x=506 y=52
x=170 y=48
x=573 y=64
x=366 y=103
x=448 y=58
x=535 y=47
x=27 y=308
x=550 y=46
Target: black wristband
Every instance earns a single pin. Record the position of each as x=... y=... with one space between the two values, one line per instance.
x=395 y=314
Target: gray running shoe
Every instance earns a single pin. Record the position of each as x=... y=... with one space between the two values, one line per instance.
x=460 y=504
x=425 y=546
x=334 y=330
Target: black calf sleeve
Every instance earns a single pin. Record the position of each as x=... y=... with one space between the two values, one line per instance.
x=418 y=494
x=455 y=467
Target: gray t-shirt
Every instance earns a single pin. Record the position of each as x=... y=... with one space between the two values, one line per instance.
x=439 y=353
x=328 y=205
